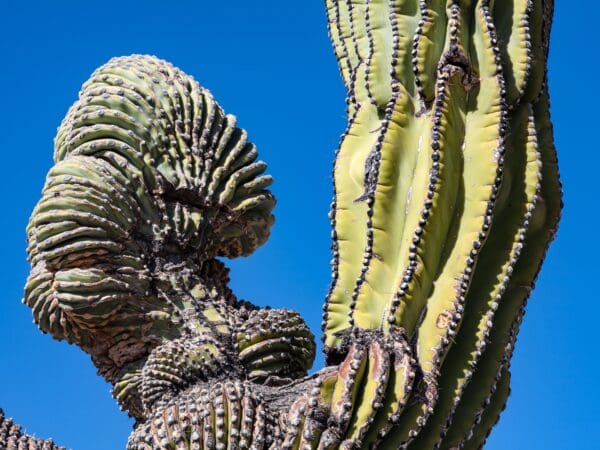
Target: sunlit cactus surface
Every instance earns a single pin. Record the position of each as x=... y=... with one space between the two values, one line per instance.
x=446 y=197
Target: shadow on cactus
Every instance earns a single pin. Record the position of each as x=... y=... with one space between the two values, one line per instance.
x=446 y=198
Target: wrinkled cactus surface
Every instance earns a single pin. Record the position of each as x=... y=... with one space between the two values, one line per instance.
x=446 y=198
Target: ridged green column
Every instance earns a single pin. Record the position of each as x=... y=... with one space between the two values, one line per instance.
x=446 y=198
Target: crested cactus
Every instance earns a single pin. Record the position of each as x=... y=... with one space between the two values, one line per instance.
x=446 y=198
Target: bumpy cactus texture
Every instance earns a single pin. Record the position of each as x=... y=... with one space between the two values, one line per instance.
x=13 y=438
x=446 y=198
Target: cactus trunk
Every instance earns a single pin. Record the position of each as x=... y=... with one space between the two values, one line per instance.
x=458 y=200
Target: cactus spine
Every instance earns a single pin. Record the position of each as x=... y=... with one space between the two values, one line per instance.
x=447 y=196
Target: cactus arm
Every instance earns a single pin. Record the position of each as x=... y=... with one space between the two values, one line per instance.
x=429 y=215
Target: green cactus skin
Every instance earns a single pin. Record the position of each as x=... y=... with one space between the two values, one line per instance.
x=153 y=181
x=447 y=196
x=458 y=200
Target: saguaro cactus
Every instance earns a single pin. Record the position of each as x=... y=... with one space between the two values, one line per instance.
x=446 y=198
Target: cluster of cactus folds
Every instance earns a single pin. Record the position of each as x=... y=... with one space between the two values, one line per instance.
x=446 y=197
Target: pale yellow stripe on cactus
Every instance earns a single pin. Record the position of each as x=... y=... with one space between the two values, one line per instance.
x=351 y=225
x=494 y=269
x=440 y=213
x=405 y=161
x=481 y=155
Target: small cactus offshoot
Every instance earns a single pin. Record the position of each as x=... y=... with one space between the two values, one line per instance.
x=447 y=197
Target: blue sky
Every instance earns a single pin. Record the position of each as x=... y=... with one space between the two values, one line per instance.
x=271 y=64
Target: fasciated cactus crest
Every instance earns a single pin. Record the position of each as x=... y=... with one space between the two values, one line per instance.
x=447 y=197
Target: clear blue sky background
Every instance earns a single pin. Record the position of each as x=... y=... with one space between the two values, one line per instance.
x=271 y=64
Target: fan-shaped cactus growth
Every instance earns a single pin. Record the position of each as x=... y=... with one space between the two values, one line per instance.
x=446 y=199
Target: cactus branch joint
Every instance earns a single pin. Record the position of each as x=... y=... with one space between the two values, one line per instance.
x=446 y=198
